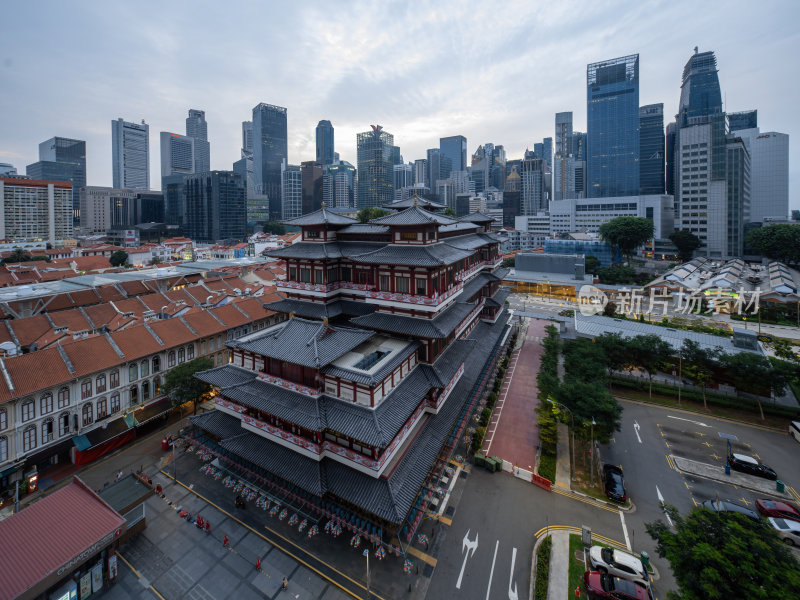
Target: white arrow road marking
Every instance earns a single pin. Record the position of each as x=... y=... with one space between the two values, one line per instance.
x=661 y=501
x=690 y=421
x=512 y=592
x=470 y=546
x=491 y=573
x=636 y=429
x=625 y=530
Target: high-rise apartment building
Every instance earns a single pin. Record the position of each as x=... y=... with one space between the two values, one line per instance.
x=454 y=153
x=311 y=176
x=338 y=185
x=651 y=149
x=325 y=143
x=270 y=149
x=197 y=128
x=216 y=207
x=375 y=151
x=291 y=191
x=612 y=101
x=177 y=154
x=130 y=144
x=32 y=210
x=62 y=159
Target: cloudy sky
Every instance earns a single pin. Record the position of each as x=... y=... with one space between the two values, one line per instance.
x=492 y=71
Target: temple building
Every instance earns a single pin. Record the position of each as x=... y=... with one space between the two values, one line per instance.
x=354 y=404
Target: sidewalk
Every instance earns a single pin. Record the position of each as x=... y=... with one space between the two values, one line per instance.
x=558 y=584
x=563 y=471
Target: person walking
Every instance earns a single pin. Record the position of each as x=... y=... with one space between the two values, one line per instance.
x=285 y=584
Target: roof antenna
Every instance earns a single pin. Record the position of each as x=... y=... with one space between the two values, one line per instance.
x=696 y=50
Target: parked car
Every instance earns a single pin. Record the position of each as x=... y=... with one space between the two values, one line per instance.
x=614 y=483
x=722 y=506
x=777 y=509
x=618 y=563
x=794 y=430
x=789 y=531
x=603 y=585
x=749 y=465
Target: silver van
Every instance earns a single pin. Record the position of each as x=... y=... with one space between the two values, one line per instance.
x=794 y=430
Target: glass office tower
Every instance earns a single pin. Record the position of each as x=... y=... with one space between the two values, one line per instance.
x=325 y=143
x=651 y=149
x=700 y=91
x=612 y=102
x=454 y=149
x=375 y=162
x=270 y=149
x=62 y=159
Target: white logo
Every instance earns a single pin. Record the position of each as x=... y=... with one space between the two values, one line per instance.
x=591 y=300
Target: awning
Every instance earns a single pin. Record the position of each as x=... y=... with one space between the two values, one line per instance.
x=9 y=471
x=81 y=442
x=152 y=411
x=130 y=420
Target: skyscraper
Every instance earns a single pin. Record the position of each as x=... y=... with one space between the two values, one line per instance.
x=533 y=195
x=62 y=159
x=244 y=166
x=612 y=100
x=216 y=208
x=651 y=149
x=177 y=154
x=130 y=144
x=746 y=119
x=433 y=168
x=563 y=133
x=454 y=149
x=311 y=175
x=325 y=143
x=669 y=180
x=375 y=151
x=197 y=128
x=563 y=162
x=270 y=149
x=291 y=191
x=338 y=185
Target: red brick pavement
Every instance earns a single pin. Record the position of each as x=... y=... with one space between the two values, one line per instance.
x=513 y=433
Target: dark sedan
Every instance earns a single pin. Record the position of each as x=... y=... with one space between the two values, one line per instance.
x=614 y=483
x=749 y=465
x=726 y=506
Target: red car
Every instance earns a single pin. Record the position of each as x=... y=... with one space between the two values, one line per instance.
x=603 y=585
x=777 y=509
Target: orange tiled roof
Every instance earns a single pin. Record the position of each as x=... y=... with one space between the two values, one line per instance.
x=32 y=372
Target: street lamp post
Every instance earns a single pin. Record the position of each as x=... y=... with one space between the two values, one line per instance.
x=591 y=455
x=572 y=429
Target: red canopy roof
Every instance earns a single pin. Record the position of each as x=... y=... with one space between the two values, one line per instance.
x=49 y=533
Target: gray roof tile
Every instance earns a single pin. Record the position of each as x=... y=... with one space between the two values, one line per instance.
x=437 y=328
x=413 y=216
x=431 y=255
x=321 y=217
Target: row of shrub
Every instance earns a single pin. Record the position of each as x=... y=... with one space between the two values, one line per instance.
x=543 y=569
x=547 y=381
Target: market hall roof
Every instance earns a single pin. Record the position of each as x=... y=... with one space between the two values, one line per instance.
x=321 y=217
x=431 y=255
x=49 y=533
x=303 y=342
x=413 y=216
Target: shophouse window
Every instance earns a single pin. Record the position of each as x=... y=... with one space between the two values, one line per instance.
x=47 y=431
x=181 y=355
x=190 y=350
x=46 y=403
x=133 y=372
x=114 y=403
x=144 y=368
x=29 y=438
x=3 y=449
x=86 y=389
x=171 y=358
x=100 y=384
x=102 y=408
x=3 y=419
x=146 y=390
x=113 y=378
x=28 y=410
x=88 y=414
x=156 y=364
x=63 y=424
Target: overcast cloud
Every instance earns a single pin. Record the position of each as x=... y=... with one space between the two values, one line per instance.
x=492 y=71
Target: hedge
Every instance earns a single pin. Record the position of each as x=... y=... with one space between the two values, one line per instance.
x=543 y=569
x=547 y=465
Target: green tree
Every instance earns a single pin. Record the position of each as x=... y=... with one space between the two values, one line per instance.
x=651 y=353
x=686 y=242
x=785 y=350
x=450 y=212
x=509 y=262
x=610 y=309
x=779 y=242
x=616 y=275
x=754 y=374
x=614 y=349
x=588 y=401
x=182 y=386
x=584 y=360
x=717 y=556
x=118 y=258
x=626 y=234
x=365 y=215
x=592 y=264
x=698 y=364
x=155 y=261
x=274 y=228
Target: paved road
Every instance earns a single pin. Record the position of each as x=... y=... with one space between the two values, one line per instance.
x=513 y=433
x=498 y=515
x=649 y=473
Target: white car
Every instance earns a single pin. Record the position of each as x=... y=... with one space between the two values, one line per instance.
x=789 y=531
x=618 y=563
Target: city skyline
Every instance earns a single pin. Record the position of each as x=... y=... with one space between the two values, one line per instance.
x=525 y=68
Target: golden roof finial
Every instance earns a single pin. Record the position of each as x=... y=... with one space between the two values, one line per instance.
x=323 y=206
x=325 y=321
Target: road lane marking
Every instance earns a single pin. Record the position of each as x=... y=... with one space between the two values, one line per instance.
x=512 y=591
x=588 y=500
x=467 y=546
x=491 y=571
x=636 y=429
x=689 y=420
x=625 y=529
x=661 y=502
x=670 y=463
